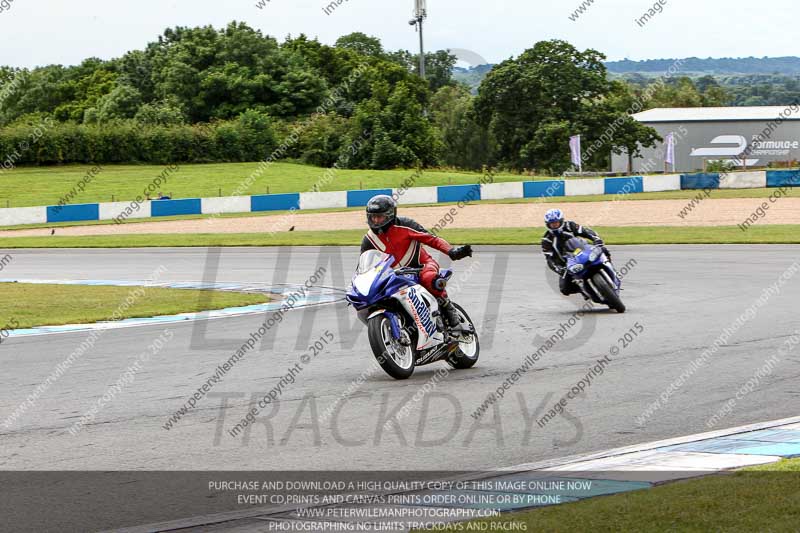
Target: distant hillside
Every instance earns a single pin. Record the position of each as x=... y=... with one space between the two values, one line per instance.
x=472 y=76
x=727 y=70
x=787 y=66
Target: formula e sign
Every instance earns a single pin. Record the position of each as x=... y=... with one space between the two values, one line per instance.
x=724 y=147
x=732 y=147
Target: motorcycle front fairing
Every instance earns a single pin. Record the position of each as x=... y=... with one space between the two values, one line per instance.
x=583 y=260
x=421 y=306
x=375 y=281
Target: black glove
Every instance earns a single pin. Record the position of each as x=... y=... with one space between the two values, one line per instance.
x=460 y=253
x=602 y=245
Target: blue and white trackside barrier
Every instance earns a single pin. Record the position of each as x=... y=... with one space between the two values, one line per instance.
x=741 y=180
x=154 y=209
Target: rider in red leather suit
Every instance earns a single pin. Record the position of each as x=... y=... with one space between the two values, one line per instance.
x=403 y=238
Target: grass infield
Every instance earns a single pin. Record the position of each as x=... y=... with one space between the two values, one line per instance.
x=766 y=234
x=764 y=498
x=28 y=305
x=30 y=186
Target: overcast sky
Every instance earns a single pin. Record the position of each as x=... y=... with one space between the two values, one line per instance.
x=38 y=32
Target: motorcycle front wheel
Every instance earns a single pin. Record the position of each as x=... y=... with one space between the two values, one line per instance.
x=395 y=358
x=608 y=293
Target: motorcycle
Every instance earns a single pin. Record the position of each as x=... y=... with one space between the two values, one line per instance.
x=405 y=326
x=594 y=274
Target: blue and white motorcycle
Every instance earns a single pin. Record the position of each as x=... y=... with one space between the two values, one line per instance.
x=594 y=274
x=404 y=324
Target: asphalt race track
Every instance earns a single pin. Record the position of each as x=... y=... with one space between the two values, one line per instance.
x=682 y=298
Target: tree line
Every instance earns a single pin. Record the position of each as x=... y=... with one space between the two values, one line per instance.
x=233 y=94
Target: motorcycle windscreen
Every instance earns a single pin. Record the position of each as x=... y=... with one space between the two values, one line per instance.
x=575 y=243
x=369 y=260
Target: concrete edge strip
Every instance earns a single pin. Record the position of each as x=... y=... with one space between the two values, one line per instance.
x=542 y=465
x=230 y=516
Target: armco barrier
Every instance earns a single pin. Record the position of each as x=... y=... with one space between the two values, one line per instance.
x=168 y=208
x=225 y=204
x=632 y=184
x=275 y=202
x=783 y=178
x=126 y=210
x=743 y=180
x=323 y=200
x=459 y=193
x=415 y=195
x=700 y=181
x=543 y=189
x=15 y=216
x=73 y=213
x=668 y=182
x=360 y=198
x=501 y=191
x=584 y=187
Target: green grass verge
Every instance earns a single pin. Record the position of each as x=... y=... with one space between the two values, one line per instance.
x=766 y=498
x=29 y=186
x=32 y=186
x=664 y=195
x=788 y=234
x=31 y=304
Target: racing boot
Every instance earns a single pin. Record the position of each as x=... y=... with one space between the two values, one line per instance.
x=450 y=315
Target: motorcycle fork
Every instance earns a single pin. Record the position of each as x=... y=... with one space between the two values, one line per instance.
x=394 y=322
x=613 y=275
x=588 y=289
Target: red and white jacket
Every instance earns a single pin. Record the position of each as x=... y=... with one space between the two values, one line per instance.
x=404 y=240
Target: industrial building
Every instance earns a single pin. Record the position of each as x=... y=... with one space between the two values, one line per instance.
x=744 y=136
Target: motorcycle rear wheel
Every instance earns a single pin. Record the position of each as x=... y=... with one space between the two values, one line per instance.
x=467 y=353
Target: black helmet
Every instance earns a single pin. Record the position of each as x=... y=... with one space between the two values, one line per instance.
x=381 y=213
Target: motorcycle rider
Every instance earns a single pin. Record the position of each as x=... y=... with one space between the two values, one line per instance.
x=559 y=231
x=402 y=238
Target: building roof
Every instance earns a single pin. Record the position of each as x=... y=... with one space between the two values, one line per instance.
x=696 y=114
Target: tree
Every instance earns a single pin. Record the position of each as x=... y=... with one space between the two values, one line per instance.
x=534 y=103
x=323 y=140
x=439 y=69
x=465 y=143
x=220 y=74
x=122 y=102
x=250 y=90
x=362 y=44
x=166 y=112
x=438 y=66
x=405 y=59
x=83 y=93
x=685 y=92
x=334 y=64
x=397 y=132
x=136 y=70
